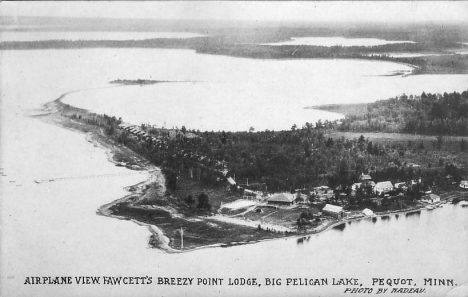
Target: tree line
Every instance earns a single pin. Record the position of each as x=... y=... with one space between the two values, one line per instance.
x=428 y=114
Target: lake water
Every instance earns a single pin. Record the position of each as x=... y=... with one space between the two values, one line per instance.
x=337 y=41
x=76 y=35
x=52 y=229
x=225 y=93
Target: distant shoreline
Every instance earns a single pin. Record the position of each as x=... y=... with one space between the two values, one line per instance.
x=142 y=82
x=436 y=64
x=346 y=109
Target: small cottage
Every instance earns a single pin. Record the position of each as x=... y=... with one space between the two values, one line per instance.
x=431 y=198
x=334 y=211
x=401 y=185
x=356 y=186
x=464 y=184
x=365 y=177
x=368 y=212
x=231 y=181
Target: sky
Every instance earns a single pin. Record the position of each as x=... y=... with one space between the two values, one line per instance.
x=387 y=11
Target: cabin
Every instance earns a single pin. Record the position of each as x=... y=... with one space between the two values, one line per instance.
x=333 y=211
x=356 y=186
x=367 y=212
x=431 y=198
x=282 y=199
x=231 y=181
x=464 y=184
x=383 y=187
x=365 y=177
x=401 y=185
x=123 y=126
x=413 y=165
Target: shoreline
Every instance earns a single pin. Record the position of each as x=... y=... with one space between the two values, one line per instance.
x=50 y=113
x=158 y=238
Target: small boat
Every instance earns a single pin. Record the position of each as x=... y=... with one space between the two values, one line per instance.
x=37 y=181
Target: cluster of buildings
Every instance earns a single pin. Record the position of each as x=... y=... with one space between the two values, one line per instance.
x=324 y=193
x=142 y=135
x=136 y=131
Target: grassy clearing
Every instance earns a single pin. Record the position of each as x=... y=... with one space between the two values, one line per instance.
x=286 y=217
x=197 y=232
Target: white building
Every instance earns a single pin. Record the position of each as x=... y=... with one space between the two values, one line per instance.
x=464 y=184
x=383 y=187
x=333 y=210
x=356 y=186
x=431 y=198
x=368 y=212
x=231 y=181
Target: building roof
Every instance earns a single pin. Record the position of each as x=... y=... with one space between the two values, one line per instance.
x=321 y=188
x=231 y=181
x=398 y=185
x=384 y=184
x=367 y=212
x=365 y=177
x=332 y=208
x=431 y=197
x=283 y=197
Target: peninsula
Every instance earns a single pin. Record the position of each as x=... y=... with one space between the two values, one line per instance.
x=224 y=188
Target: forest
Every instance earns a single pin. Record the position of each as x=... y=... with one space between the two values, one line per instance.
x=306 y=157
x=428 y=114
x=297 y=159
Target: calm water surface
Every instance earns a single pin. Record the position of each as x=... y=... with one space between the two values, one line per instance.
x=225 y=93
